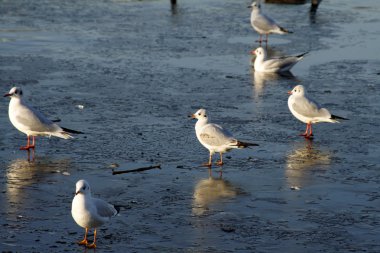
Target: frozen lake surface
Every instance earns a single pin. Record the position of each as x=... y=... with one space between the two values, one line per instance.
x=139 y=68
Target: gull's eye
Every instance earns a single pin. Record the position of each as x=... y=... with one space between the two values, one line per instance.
x=205 y=116
x=199 y=114
x=84 y=188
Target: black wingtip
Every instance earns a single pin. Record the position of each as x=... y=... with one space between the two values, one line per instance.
x=117 y=208
x=241 y=144
x=337 y=117
x=301 y=55
x=71 y=131
x=284 y=30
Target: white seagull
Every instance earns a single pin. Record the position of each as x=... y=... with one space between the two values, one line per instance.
x=264 y=24
x=214 y=137
x=280 y=64
x=31 y=122
x=89 y=212
x=308 y=111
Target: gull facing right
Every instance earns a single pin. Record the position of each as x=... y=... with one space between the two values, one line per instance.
x=31 y=122
x=274 y=65
x=308 y=111
x=214 y=137
x=264 y=24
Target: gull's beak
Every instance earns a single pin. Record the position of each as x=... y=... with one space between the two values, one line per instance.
x=7 y=95
x=249 y=6
x=192 y=116
x=290 y=92
x=253 y=52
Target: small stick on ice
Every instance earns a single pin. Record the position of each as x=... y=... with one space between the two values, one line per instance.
x=137 y=170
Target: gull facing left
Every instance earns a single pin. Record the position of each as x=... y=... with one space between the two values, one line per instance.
x=214 y=137
x=31 y=122
x=274 y=65
x=308 y=111
x=264 y=24
x=89 y=212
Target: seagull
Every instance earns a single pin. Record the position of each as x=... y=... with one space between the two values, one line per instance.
x=264 y=24
x=89 y=212
x=214 y=137
x=281 y=64
x=31 y=122
x=308 y=111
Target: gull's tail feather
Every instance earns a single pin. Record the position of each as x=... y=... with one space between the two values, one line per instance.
x=63 y=135
x=71 y=131
x=336 y=119
x=241 y=144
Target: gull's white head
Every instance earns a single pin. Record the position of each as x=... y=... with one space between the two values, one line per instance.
x=259 y=52
x=255 y=6
x=200 y=115
x=299 y=90
x=14 y=92
x=82 y=187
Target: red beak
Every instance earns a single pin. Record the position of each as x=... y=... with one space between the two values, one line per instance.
x=7 y=95
x=290 y=92
x=253 y=52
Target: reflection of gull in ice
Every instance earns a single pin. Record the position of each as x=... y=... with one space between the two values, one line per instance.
x=303 y=161
x=211 y=190
x=260 y=79
x=22 y=175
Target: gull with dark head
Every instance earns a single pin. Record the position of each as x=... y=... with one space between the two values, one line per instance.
x=31 y=122
x=89 y=212
x=308 y=111
x=264 y=24
x=274 y=65
x=214 y=137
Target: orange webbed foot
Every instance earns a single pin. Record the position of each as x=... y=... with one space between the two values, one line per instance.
x=219 y=163
x=91 y=246
x=83 y=242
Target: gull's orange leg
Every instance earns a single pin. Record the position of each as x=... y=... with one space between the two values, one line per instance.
x=310 y=135
x=209 y=161
x=266 y=38
x=93 y=244
x=28 y=146
x=84 y=241
x=306 y=131
x=220 y=162
x=34 y=141
x=259 y=40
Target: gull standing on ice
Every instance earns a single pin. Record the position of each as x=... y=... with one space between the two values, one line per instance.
x=89 y=212
x=214 y=137
x=281 y=64
x=31 y=122
x=308 y=111
x=264 y=24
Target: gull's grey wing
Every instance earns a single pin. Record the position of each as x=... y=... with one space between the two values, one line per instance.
x=309 y=108
x=264 y=22
x=281 y=63
x=215 y=135
x=104 y=209
x=34 y=120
